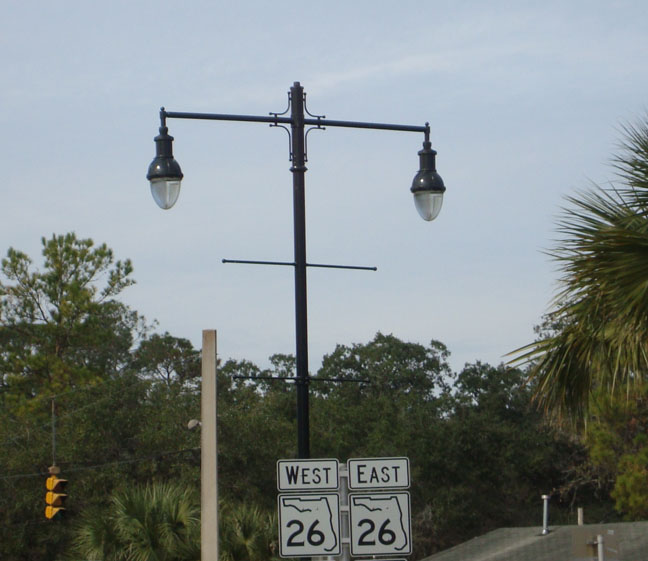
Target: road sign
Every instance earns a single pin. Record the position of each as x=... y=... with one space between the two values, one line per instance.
x=378 y=473
x=307 y=475
x=380 y=523
x=309 y=525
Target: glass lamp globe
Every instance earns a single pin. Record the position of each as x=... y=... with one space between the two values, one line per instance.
x=428 y=204
x=165 y=191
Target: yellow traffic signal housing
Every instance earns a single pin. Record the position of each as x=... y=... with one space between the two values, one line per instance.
x=55 y=498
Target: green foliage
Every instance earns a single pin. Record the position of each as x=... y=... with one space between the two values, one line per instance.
x=155 y=522
x=122 y=431
x=631 y=489
x=481 y=454
x=167 y=358
x=256 y=427
x=391 y=390
x=618 y=447
x=246 y=533
x=62 y=327
x=66 y=338
x=488 y=460
x=162 y=522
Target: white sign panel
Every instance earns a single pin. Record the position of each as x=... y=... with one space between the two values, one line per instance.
x=378 y=473
x=307 y=475
x=309 y=525
x=380 y=524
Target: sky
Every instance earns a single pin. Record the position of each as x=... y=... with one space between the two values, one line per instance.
x=526 y=101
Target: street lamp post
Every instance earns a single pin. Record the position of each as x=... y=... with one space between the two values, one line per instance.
x=165 y=177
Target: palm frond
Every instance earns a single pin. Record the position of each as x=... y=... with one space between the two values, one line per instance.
x=602 y=305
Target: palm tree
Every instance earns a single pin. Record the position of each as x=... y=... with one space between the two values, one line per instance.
x=158 y=522
x=161 y=522
x=246 y=534
x=601 y=312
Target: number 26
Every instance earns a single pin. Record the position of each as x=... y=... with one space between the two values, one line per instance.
x=313 y=536
x=385 y=535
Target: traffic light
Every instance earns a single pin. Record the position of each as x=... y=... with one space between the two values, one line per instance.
x=55 y=497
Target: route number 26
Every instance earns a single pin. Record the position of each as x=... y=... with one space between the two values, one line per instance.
x=313 y=536
x=368 y=537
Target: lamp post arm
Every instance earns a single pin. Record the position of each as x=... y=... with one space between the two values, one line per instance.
x=363 y=125
x=275 y=119
x=226 y=117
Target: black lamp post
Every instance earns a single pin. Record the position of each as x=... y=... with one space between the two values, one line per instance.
x=165 y=176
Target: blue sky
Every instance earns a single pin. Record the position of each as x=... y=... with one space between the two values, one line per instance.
x=525 y=102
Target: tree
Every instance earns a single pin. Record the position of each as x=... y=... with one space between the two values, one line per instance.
x=490 y=442
x=157 y=522
x=247 y=533
x=170 y=359
x=602 y=310
x=631 y=489
x=618 y=449
x=67 y=339
x=62 y=327
x=388 y=391
x=256 y=427
x=63 y=331
x=124 y=431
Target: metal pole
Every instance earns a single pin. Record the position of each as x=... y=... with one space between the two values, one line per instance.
x=53 y=432
x=298 y=170
x=208 y=451
x=344 y=513
x=600 y=547
x=545 y=515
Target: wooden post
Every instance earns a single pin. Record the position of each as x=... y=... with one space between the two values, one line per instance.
x=209 y=451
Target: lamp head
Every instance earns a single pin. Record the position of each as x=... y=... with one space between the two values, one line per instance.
x=164 y=173
x=428 y=187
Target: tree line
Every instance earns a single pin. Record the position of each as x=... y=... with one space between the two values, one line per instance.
x=78 y=361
